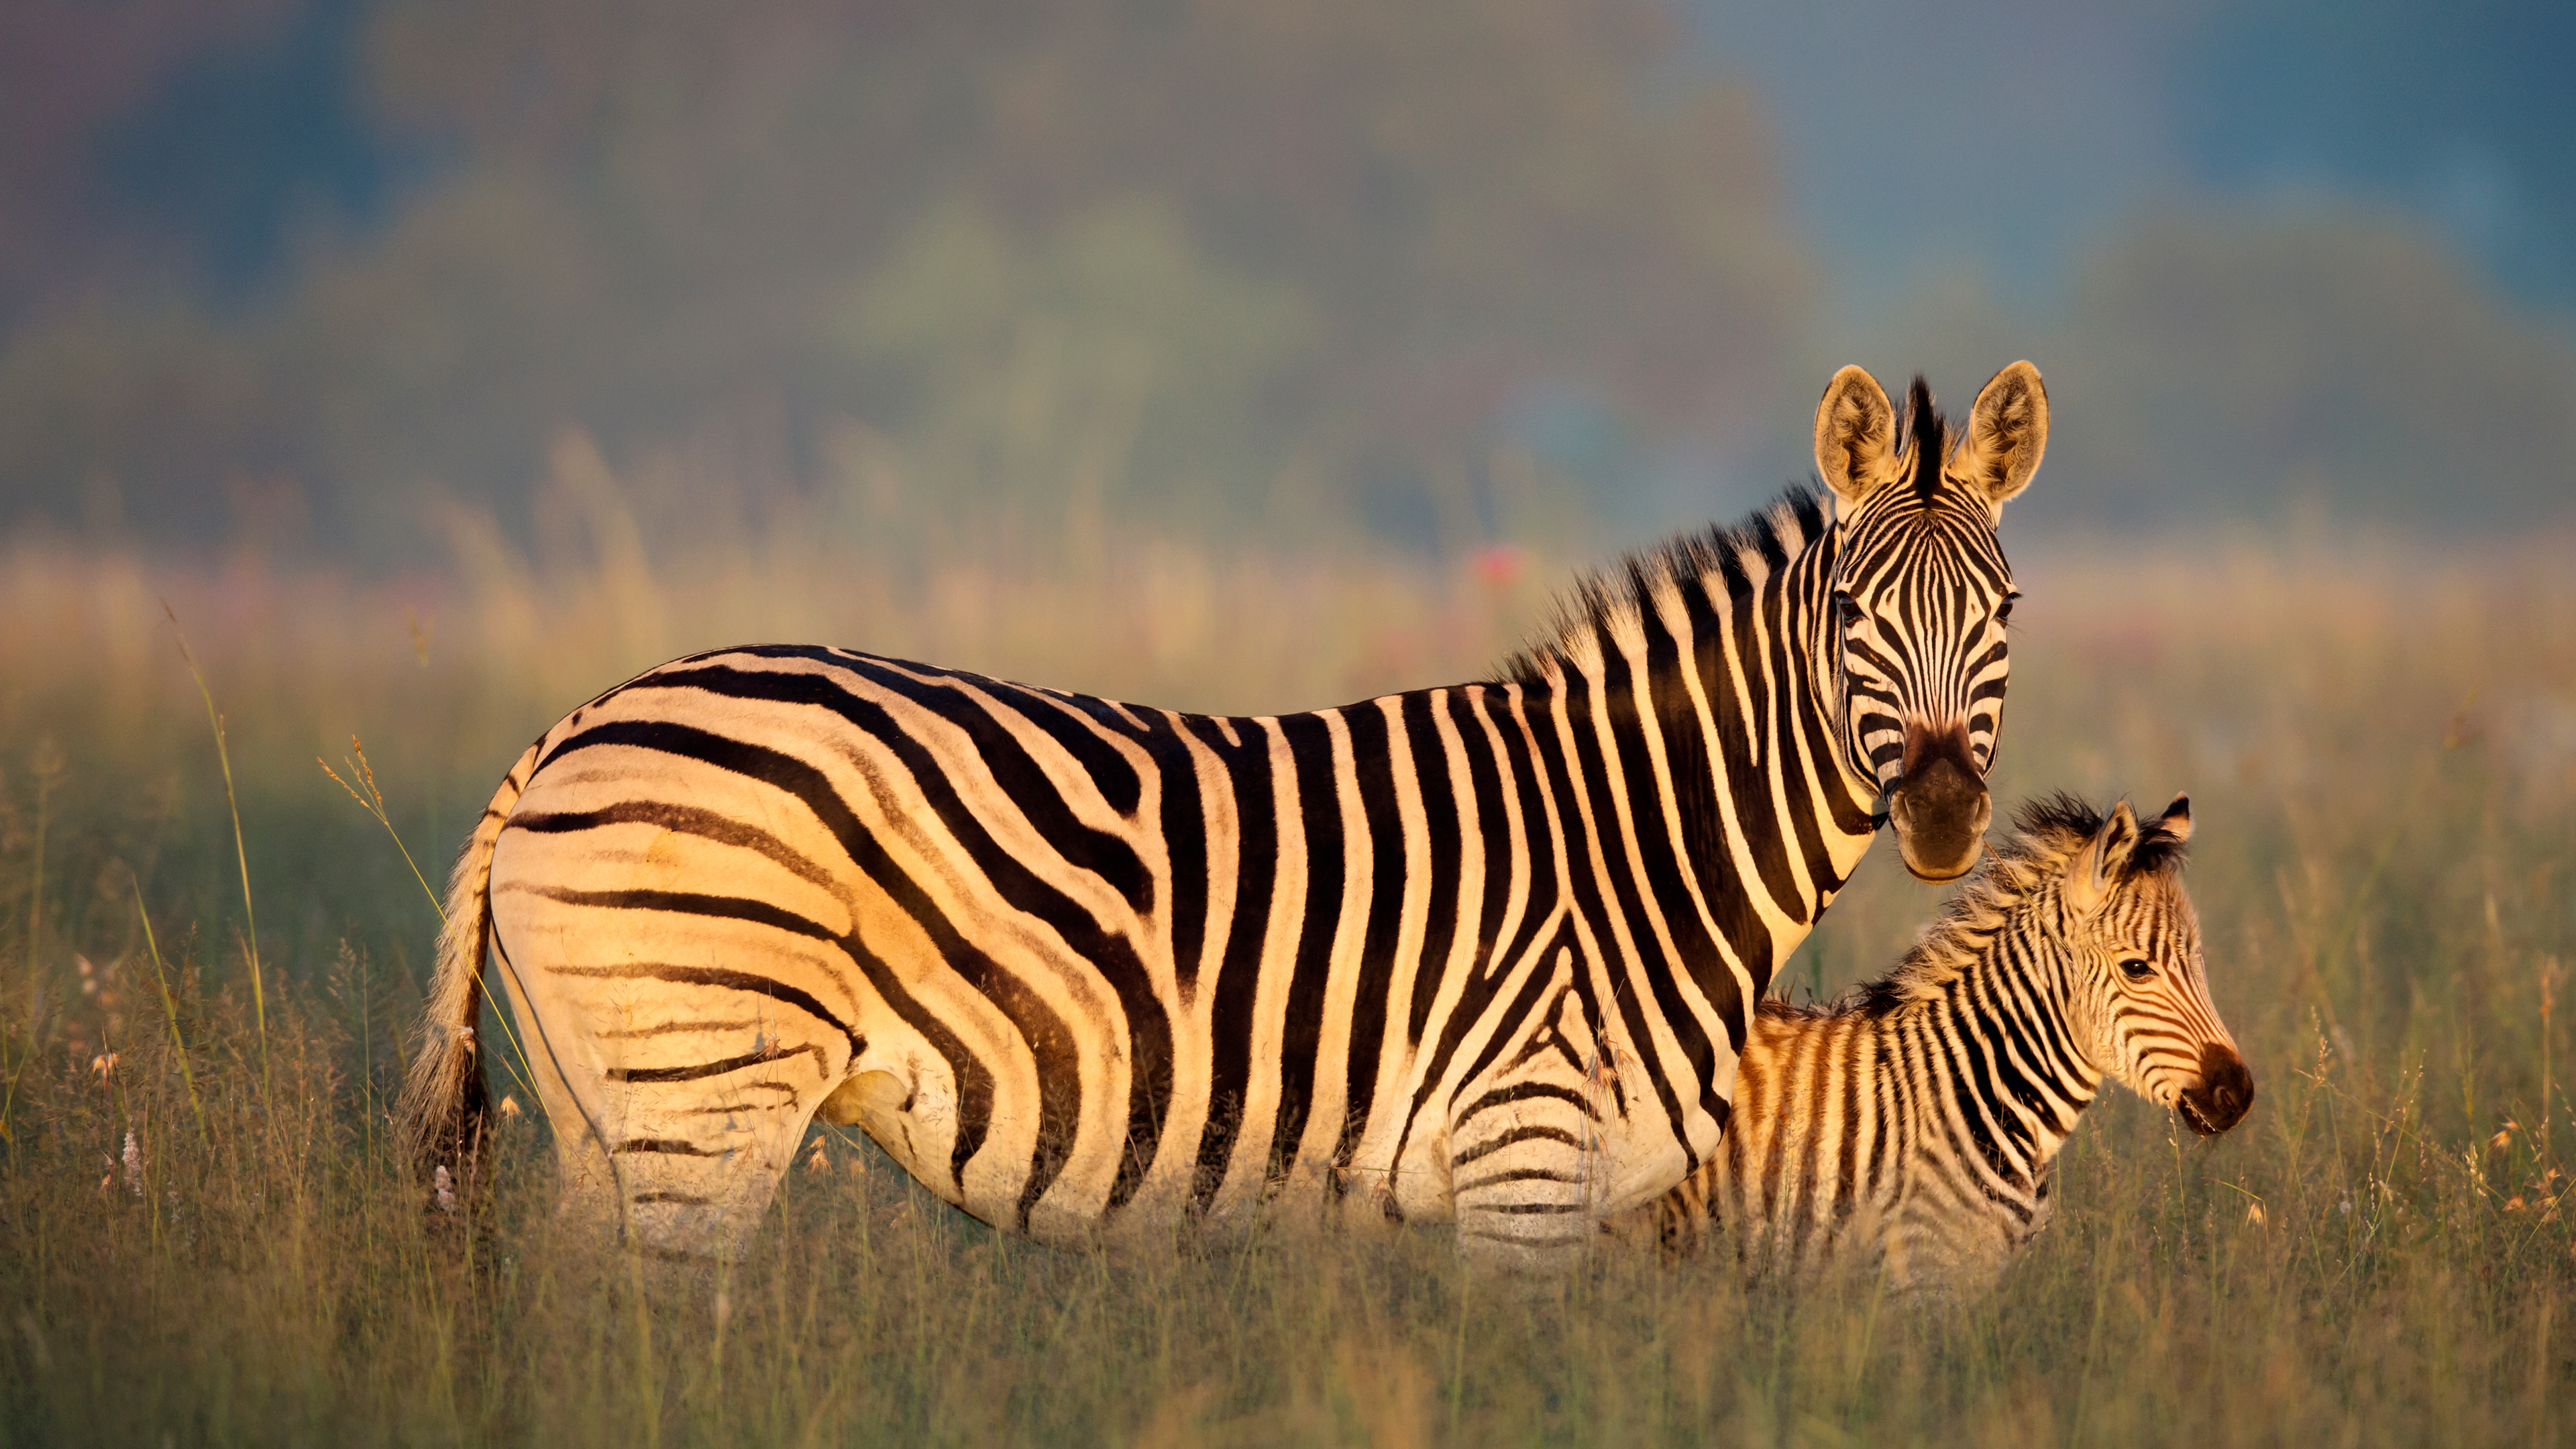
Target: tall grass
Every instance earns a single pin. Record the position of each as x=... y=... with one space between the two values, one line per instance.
x=2382 y=754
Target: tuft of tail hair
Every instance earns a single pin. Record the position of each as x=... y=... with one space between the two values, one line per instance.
x=439 y=1121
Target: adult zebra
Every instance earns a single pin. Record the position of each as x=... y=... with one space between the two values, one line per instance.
x=1916 y=1124
x=1482 y=952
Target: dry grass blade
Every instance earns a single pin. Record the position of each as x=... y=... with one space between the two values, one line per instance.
x=170 y=1014
x=241 y=852
x=371 y=798
x=47 y=764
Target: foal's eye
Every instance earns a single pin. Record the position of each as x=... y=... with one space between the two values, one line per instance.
x=2003 y=611
x=2136 y=970
x=1846 y=608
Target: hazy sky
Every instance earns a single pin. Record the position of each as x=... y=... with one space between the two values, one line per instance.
x=2376 y=201
x=1999 y=135
x=1994 y=136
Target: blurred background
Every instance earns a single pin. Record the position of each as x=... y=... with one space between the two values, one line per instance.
x=430 y=367
x=434 y=366
x=336 y=281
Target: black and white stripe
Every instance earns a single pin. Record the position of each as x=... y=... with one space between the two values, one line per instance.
x=1481 y=952
x=1914 y=1125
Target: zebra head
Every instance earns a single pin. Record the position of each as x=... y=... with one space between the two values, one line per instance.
x=2133 y=944
x=1919 y=593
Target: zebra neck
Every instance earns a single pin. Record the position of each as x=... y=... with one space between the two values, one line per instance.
x=1818 y=783
x=1806 y=586
x=1797 y=759
x=2020 y=1078
x=1807 y=649
x=1698 y=734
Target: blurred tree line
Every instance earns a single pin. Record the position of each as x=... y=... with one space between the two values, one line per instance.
x=1213 y=265
x=2302 y=370
x=1037 y=270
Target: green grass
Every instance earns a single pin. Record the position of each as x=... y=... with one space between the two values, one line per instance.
x=2382 y=755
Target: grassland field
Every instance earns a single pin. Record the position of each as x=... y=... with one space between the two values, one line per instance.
x=2380 y=743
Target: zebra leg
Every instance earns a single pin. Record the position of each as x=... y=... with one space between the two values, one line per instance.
x=1528 y=1161
x=672 y=1127
x=698 y=1154
x=695 y=1175
x=586 y=1197
x=1947 y=1245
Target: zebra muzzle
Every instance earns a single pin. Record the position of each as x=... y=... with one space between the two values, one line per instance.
x=2224 y=1095
x=1940 y=810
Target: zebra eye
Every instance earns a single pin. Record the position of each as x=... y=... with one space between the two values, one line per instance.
x=2003 y=611
x=2136 y=970
x=1846 y=608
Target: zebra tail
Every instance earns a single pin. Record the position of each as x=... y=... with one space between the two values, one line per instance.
x=439 y=1121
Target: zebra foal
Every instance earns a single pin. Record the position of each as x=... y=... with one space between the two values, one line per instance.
x=1917 y=1122
x=1087 y=969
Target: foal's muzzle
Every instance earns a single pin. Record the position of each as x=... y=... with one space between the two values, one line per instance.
x=2225 y=1093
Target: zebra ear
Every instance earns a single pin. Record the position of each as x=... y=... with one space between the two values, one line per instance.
x=2176 y=821
x=2007 y=433
x=1855 y=436
x=2099 y=867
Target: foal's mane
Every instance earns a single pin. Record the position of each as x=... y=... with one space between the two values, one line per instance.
x=2047 y=833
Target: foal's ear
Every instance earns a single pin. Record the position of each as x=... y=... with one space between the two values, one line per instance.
x=2161 y=841
x=1856 y=437
x=2099 y=867
x=2176 y=821
x=2007 y=433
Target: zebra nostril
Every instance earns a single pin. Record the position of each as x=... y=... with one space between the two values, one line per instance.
x=2226 y=1090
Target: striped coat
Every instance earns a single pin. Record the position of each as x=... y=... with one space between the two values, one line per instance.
x=1478 y=953
x=1913 y=1127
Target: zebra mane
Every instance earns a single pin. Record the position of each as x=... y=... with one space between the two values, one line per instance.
x=2047 y=834
x=1726 y=561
